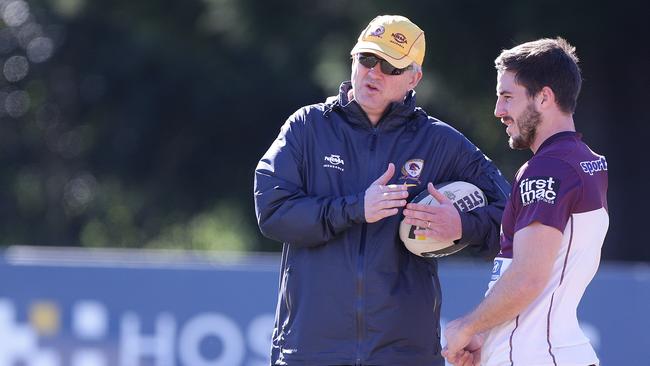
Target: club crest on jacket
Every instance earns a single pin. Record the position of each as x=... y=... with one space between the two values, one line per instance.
x=411 y=171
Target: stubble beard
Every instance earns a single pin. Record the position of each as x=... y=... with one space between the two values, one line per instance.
x=527 y=124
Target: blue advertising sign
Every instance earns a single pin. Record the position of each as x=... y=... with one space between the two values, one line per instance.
x=130 y=308
x=64 y=307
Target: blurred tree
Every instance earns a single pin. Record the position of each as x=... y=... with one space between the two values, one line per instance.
x=140 y=123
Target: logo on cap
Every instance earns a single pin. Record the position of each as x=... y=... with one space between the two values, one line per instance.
x=399 y=38
x=378 y=31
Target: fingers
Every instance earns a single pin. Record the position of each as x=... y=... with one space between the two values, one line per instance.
x=413 y=214
x=385 y=178
x=437 y=195
x=390 y=203
x=421 y=226
x=476 y=343
x=391 y=188
x=451 y=357
x=387 y=212
x=391 y=196
x=467 y=359
x=383 y=200
x=375 y=214
x=421 y=218
x=461 y=358
x=477 y=358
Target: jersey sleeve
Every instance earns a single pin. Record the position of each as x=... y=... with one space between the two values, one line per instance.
x=547 y=192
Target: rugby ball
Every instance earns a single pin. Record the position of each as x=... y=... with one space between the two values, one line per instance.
x=465 y=197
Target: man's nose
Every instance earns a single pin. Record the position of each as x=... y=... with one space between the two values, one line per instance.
x=375 y=70
x=499 y=111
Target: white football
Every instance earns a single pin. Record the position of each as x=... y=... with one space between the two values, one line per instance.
x=465 y=197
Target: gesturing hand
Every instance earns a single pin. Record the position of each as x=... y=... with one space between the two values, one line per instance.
x=439 y=222
x=381 y=200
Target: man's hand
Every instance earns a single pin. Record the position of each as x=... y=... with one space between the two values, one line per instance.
x=381 y=200
x=439 y=222
x=465 y=358
x=463 y=348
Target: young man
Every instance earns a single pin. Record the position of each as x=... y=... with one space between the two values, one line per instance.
x=331 y=187
x=553 y=226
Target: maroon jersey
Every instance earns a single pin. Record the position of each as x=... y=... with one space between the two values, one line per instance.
x=565 y=176
x=563 y=186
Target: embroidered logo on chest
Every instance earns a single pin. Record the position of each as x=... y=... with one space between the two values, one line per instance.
x=411 y=170
x=334 y=162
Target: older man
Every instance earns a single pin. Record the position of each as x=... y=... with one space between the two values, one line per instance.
x=331 y=188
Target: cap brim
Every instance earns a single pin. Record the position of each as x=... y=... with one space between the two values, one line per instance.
x=398 y=60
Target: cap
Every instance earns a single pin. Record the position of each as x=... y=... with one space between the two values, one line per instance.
x=394 y=38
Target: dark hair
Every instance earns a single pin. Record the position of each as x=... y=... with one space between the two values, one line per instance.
x=545 y=62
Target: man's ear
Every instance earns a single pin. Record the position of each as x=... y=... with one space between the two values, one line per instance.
x=546 y=98
x=415 y=79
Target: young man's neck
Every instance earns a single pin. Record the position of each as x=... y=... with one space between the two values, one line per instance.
x=546 y=129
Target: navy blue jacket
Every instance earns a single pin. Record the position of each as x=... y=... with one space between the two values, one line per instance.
x=350 y=292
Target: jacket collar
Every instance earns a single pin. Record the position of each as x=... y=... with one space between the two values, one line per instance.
x=397 y=113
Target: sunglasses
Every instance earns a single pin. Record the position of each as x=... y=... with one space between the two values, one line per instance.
x=369 y=60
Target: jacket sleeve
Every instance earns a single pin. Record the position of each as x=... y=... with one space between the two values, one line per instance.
x=285 y=211
x=482 y=226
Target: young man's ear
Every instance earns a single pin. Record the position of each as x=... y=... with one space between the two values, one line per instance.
x=545 y=97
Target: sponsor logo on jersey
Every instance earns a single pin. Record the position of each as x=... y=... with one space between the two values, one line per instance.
x=334 y=162
x=539 y=189
x=590 y=167
x=411 y=170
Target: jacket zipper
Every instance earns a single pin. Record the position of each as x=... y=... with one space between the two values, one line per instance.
x=360 y=298
x=360 y=303
x=373 y=141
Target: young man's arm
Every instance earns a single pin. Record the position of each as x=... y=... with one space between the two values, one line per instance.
x=535 y=248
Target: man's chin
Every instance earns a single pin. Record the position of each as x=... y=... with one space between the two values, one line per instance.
x=517 y=144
